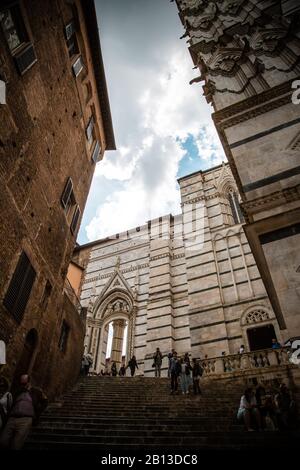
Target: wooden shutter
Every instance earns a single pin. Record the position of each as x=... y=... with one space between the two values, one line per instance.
x=20 y=287
x=25 y=59
x=75 y=219
x=67 y=193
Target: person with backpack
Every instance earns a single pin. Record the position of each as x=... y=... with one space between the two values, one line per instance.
x=28 y=404
x=157 y=362
x=6 y=401
x=197 y=373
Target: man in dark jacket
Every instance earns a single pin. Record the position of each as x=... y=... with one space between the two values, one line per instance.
x=175 y=369
x=28 y=404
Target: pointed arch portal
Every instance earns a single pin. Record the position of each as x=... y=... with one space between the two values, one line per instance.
x=115 y=306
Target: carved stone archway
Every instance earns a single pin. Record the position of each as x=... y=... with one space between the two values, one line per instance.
x=257 y=316
x=116 y=305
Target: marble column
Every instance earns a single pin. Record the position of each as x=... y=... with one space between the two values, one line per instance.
x=117 y=341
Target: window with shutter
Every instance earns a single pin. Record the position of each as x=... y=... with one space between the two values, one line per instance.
x=78 y=66
x=96 y=152
x=90 y=128
x=17 y=38
x=67 y=192
x=75 y=220
x=20 y=287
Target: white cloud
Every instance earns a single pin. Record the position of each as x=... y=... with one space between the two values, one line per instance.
x=154 y=110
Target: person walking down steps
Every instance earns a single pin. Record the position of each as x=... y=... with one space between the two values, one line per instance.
x=132 y=364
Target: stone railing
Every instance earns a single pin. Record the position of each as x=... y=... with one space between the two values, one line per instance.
x=250 y=360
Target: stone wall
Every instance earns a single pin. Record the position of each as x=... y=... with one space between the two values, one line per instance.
x=43 y=142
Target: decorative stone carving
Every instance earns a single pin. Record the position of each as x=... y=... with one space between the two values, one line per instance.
x=266 y=40
x=230 y=7
x=203 y=21
x=256 y=316
x=224 y=60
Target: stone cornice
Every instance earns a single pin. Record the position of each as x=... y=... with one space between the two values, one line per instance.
x=271 y=200
x=252 y=102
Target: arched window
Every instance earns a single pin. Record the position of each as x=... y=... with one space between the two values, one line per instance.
x=235 y=207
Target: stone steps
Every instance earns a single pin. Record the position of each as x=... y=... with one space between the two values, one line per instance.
x=135 y=413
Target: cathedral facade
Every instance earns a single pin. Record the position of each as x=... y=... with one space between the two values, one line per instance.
x=187 y=282
x=247 y=53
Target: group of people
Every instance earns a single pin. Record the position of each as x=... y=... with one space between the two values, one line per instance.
x=182 y=370
x=20 y=409
x=114 y=372
x=267 y=411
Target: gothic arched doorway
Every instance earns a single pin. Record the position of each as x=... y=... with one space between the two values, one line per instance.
x=25 y=363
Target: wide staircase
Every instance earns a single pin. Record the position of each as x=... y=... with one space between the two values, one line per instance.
x=139 y=412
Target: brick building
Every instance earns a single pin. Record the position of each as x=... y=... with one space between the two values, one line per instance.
x=54 y=127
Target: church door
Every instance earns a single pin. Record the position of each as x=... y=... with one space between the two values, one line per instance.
x=261 y=337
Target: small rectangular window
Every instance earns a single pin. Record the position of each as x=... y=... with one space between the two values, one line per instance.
x=13 y=27
x=14 y=30
x=78 y=66
x=75 y=220
x=96 y=152
x=63 y=339
x=20 y=287
x=71 y=40
x=67 y=193
x=90 y=128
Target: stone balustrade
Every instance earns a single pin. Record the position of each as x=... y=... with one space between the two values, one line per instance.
x=249 y=360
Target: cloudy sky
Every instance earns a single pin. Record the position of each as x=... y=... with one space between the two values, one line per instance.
x=162 y=125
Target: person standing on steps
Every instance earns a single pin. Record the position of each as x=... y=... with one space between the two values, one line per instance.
x=170 y=355
x=157 y=362
x=175 y=369
x=132 y=364
x=185 y=375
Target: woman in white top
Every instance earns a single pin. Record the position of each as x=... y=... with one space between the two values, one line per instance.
x=248 y=410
